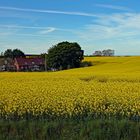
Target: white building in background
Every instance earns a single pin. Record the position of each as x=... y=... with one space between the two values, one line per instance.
x=107 y=52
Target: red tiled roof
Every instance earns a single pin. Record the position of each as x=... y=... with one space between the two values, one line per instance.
x=30 y=61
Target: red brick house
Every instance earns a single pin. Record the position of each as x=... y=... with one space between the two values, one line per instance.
x=29 y=64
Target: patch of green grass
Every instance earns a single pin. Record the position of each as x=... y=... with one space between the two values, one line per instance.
x=70 y=130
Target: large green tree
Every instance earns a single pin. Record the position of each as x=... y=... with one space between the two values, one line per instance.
x=9 y=53
x=18 y=53
x=64 y=55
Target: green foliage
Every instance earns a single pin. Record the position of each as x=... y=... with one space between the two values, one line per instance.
x=18 y=53
x=64 y=55
x=8 y=53
x=70 y=130
x=13 y=53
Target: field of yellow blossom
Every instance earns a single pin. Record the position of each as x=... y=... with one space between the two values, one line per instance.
x=108 y=88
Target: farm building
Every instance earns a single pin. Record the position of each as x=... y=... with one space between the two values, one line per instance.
x=29 y=64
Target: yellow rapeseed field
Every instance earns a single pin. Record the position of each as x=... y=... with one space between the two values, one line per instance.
x=111 y=87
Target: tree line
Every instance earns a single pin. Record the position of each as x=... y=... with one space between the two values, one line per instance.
x=64 y=55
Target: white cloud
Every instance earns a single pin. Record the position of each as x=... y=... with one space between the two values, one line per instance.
x=7 y=30
x=120 y=31
x=48 y=30
x=23 y=27
x=50 y=11
x=114 y=30
x=41 y=30
x=113 y=26
x=114 y=7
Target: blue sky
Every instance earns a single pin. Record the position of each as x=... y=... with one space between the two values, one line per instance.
x=35 y=25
